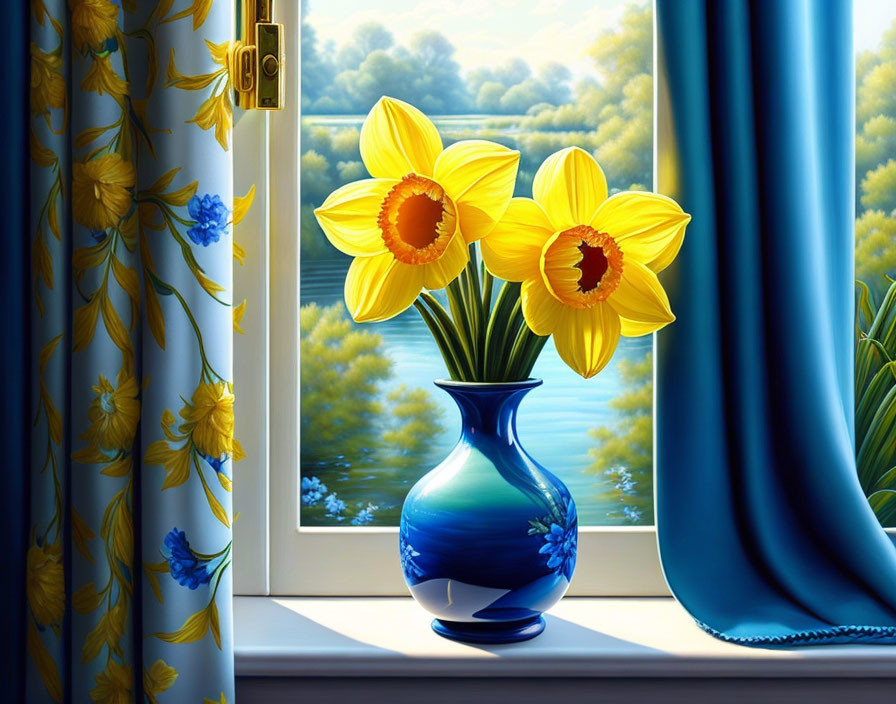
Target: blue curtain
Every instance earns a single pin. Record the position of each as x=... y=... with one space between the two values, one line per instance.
x=128 y=580
x=765 y=535
x=14 y=267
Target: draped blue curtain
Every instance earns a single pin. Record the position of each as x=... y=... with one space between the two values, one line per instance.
x=130 y=418
x=764 y=532
x=14 y=266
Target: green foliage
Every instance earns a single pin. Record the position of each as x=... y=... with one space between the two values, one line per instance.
x=623 y=455
x=875 y=249
x=340 y=375
x=369 y=64
x=355 y=436
x=617 y=112
x=876 y=163
x=416 y=420
x=875 y=383
x=879 y=187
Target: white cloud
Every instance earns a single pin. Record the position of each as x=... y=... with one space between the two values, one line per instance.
x=484 y=33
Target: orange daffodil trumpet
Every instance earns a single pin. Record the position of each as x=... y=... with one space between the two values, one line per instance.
x=410 y=225
x=588 y=263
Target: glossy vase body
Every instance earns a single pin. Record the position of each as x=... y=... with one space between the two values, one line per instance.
x=488 y=537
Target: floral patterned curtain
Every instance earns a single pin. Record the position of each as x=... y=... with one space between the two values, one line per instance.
x=128 y=566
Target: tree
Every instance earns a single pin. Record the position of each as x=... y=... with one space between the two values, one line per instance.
x=876 y=163
x=340 y=375
x=317 y=73
x=367 y=38
x=618 y=109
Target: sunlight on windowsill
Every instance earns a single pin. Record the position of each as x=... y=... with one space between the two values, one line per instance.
x=585 y=637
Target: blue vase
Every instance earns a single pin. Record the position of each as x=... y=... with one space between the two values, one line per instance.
x=488 y=538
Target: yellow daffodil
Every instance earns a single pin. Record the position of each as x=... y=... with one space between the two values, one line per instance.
x=114 y=414
x=408 y=227
x=587 y=263
x=92 y=22
x=45 y=585
x=209 y=419
x=101 y=194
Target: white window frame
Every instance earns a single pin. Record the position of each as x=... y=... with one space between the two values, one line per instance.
x=273 y=553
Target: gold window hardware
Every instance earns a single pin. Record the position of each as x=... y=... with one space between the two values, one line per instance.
x=257 y=63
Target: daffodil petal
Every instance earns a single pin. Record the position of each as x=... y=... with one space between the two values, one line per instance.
x=348 y=217
x=648 y=227
x=378 y=288
x=442 y=271
x=640 y=297
x=586 y=338
x=540 y=309
x=634 y=328
x=479 y=177
x=513 y=247
x=570 y=186
x=398 y=139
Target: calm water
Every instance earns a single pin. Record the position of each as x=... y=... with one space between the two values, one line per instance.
x=448 y=125
x=553 y=423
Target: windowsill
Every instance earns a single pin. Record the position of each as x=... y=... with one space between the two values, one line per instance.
x=584 y=638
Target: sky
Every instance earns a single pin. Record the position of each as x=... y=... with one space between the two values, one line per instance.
x=488 y=33
x=484 y=33
x=870 y=19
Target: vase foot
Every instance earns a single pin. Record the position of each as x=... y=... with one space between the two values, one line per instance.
x=489 y=631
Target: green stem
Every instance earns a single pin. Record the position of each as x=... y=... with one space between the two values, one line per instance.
x=497 y=328
x=525 y=352
x=507 y=339
x=440 y=338
x=464 y=364
x=464 y=327
x=487 y=293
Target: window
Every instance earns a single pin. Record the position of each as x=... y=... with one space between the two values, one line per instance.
x=602 y=449
x=394 y=425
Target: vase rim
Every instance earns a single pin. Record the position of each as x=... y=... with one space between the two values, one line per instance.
x=529 y=383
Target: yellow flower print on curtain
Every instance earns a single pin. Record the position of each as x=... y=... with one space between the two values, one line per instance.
x=132 y=257
x=216 y=110
x=102 y=191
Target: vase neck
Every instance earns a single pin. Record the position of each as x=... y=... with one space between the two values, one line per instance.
x=489 y=409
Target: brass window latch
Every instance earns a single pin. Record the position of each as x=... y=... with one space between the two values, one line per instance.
x=257 y=61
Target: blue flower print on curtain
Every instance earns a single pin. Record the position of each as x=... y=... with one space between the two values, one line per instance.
x=188 y=568
x=210 y=215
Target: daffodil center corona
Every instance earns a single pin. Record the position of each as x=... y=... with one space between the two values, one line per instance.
x=582 y=266
x=417 y=220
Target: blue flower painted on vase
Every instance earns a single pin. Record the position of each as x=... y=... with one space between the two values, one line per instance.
x=335 y=507
x=313 y=490
x=210 y=215
x=98 y=235
x=186 y=568
x=560 y=542
x=365 y=515
x=406 y=552
x=632 y=514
